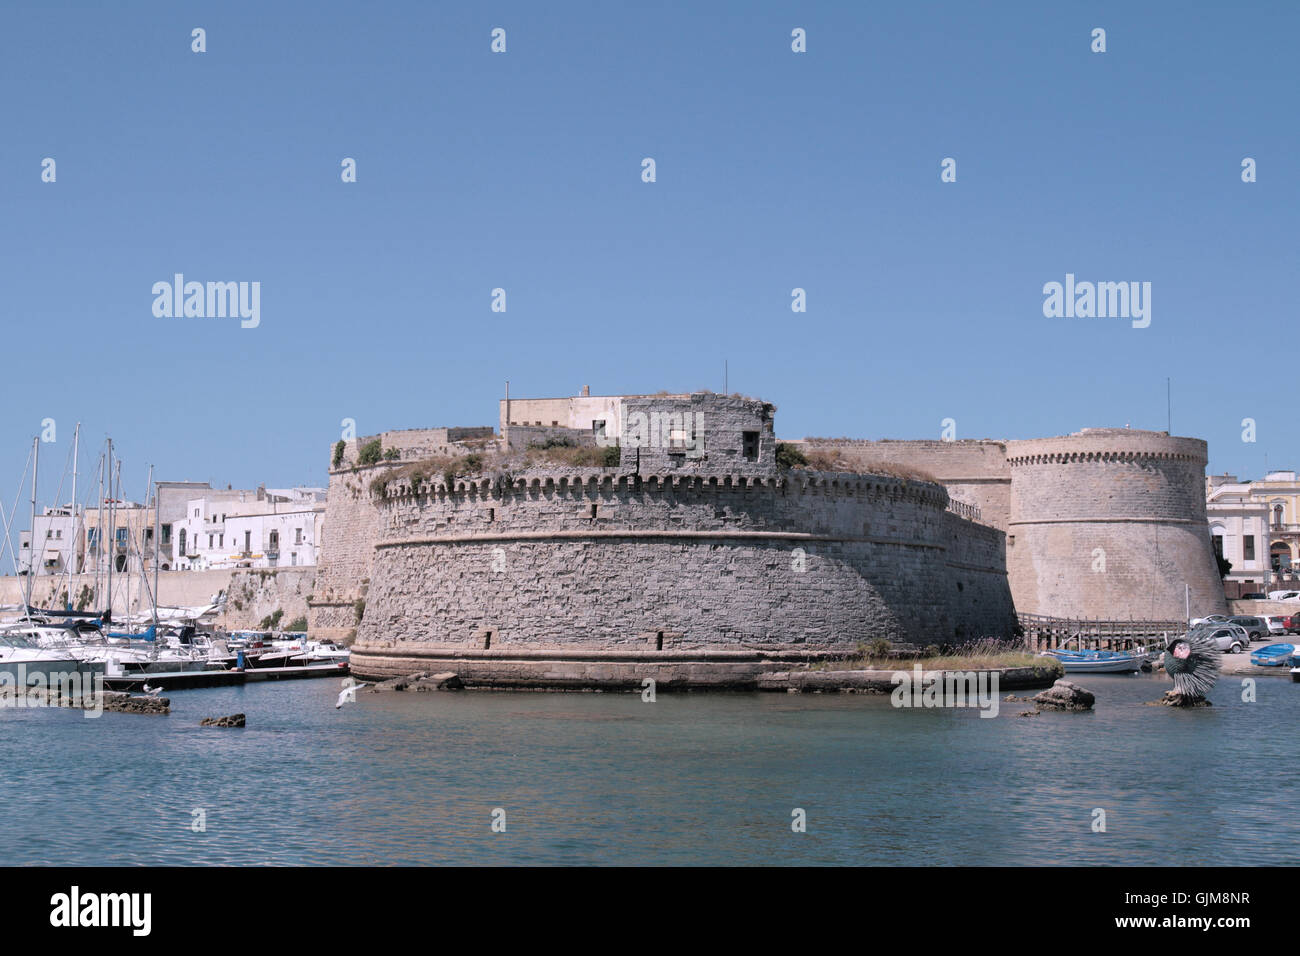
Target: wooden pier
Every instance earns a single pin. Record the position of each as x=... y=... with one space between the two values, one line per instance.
x=183 y=680
x=1050 y=633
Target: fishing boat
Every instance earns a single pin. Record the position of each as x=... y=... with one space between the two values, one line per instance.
x=1274 y=655
x=1097 y=662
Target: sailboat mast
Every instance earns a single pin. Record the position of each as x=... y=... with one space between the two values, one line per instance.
x=99 y=536
x=108 y=549
x=76 y=525
x=157 y=549
x=31 y=544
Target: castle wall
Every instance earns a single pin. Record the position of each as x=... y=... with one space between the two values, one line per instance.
x=973 y=471
x=1111 y=523
x=351 y=525
x=415 y=443
x=824 y=561
x=976 y=582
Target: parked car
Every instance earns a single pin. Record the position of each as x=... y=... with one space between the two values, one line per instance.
x=1255 y=626
x=1291 y=622
x=1254 y=596
x=1231 y=638
x=1275 y=625
x=1284 y=595
x=1208 y=619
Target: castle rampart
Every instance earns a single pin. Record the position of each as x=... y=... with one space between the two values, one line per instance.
x=1111 y=522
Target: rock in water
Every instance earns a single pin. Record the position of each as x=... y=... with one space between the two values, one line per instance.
x=1174 y=699
x=1065 y=695
x=444 y=681
x=234 y=720
x=123 y=703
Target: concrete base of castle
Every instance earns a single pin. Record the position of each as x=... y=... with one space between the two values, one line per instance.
x=578 y=668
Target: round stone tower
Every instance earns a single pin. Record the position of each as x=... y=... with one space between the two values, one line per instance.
x=1110 y=523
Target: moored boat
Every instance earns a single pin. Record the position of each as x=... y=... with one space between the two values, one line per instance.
x=1097 y=662
x=1274 y=655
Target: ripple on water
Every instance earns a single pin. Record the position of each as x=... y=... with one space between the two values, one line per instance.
x=690 y=779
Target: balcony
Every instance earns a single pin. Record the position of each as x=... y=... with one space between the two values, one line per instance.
x=1282 y=528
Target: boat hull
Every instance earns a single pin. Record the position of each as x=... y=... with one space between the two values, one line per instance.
x=1097 y=662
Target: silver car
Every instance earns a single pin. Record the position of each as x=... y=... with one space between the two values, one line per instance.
x=1231 y=638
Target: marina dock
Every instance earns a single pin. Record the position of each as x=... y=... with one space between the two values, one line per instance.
x=184 y=680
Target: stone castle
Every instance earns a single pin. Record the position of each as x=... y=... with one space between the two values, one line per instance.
x=598 y=538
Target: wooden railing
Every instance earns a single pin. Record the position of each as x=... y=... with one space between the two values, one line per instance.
x=1047 y=633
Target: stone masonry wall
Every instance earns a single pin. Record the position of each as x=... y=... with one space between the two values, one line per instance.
x=974 y=471
x=675 y=562
x=976 y=564
x=1111 y=523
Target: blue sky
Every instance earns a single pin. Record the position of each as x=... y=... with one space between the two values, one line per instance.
x=522 y=170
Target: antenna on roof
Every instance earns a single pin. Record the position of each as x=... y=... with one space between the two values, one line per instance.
x=725 y=378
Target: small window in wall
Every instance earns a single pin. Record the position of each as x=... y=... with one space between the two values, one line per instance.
x=1011 y=541
x=555 y=424
x=659 y=640
x=751 y=445
x=492 y=514
x=1249 y=544
x=487 y=640
x=593 y=512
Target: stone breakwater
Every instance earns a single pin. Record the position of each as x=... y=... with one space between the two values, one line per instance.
x=551 y=571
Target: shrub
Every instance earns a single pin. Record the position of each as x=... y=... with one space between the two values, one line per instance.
x=297 y=624
x=371 y=452
x=879 y=648
x=391 y=454
x=789 y=456
x=359 y=605
x=339 y=449
x=272 y=621
x=555 y=441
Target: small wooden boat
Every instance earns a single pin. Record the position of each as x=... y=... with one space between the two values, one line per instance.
x=1097 y=662
x=1274 y=655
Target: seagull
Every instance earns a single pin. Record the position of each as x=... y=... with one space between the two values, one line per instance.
x=151 y=691
x=349 y=692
